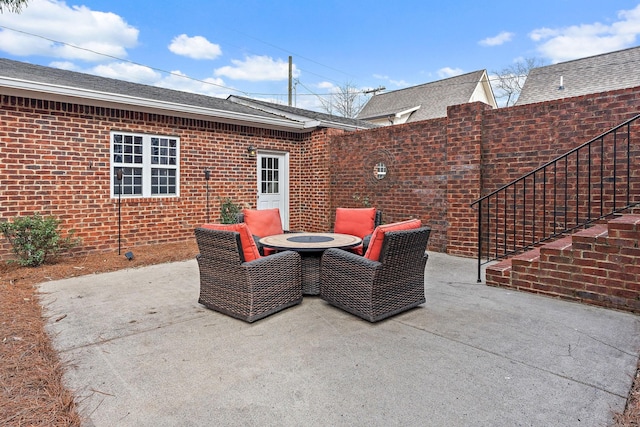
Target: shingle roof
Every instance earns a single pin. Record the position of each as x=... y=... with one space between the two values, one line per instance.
x=295 y=113
x=55 y=76
x=600 y=73
x=432 y=98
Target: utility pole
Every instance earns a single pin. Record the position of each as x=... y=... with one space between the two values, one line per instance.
x=374 y=91
x=290 y=79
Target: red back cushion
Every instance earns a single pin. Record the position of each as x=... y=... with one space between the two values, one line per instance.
x=375 y=246
x=263 y=222
x=357 y=221
x=249 y=248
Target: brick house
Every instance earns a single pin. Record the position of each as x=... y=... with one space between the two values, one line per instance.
x=64 y=136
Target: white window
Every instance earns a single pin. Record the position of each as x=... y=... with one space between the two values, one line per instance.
x=149 y=165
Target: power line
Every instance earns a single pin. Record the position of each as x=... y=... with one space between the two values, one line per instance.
x=124 y=60
x=294 y=54
x=490 y=79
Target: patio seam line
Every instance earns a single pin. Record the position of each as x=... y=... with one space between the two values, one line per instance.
x=141 y=331
x=606 y=344
x=516 y=361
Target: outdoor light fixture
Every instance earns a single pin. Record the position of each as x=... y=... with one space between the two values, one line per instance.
x=129 y=255
x=251 y=150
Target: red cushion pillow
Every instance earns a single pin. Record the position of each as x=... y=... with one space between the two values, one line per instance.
x=357 y=222
x=249 y=248
x=263 y=222
x=375 y=246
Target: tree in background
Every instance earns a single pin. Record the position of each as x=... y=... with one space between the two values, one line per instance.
x=12 y=5
x=346 y=101
x=508 y=82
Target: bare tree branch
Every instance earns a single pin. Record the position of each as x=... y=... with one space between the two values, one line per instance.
x=511 y=79
x=12 y=5
x=346 y=102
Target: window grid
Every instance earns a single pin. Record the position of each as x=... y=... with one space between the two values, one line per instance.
x=163 y=181
x=149 y=165
x=270 y=178
x=131 y=181
x=164 y=151
x=380 y=170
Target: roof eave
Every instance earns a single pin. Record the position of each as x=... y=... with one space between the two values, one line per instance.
x=306 y=121
x=19 y=87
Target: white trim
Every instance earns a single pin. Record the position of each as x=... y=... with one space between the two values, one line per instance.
x=306 y=121
x=407 y=111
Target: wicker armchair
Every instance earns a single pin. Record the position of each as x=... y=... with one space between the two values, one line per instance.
x=245 y=290
x=375 y=290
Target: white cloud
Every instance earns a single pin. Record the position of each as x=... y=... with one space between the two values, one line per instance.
x=196 y=47
x=446 y=72
x=64 y=65
x=501 y=38
x=396 y=83
x=127 y=71
x=399 y=83
x=579 y=41
x=257 y=68
x=145 y=75
x=45 y=26
x=209 y=86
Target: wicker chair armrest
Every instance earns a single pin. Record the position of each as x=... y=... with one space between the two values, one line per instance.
x=347 y=256
x=278 y=257
x=365 y=242
x=280 y=266
x=338 y=262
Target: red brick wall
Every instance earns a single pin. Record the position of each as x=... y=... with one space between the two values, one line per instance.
x=54 y=159
x=416 y=182
x=518 y=139
x=439 y=167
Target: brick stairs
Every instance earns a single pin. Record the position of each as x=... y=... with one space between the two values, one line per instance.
x=599 y=265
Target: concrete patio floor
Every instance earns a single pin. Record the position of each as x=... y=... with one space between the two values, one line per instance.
x=141 y=351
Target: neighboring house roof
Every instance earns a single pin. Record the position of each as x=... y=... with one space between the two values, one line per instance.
x=429 y=100
x=299 y=114
x=600 y=73
x=23 y=79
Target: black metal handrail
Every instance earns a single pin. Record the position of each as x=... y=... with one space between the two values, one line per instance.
x=593 y=181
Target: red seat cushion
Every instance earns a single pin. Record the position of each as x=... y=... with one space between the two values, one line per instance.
x=377 y=238
x=263 y=222
x=355 y=221
x=249 y=248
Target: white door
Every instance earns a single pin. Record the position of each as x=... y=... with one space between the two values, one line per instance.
x=273 y=183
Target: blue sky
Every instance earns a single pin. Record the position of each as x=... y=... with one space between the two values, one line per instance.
x=242 y=47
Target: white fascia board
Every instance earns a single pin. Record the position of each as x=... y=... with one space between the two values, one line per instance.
x=307 y=123
x=391 y=114
x=407 y=111
x=19 y=87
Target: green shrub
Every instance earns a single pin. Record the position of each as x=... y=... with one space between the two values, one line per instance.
x=35 y=239
x=228 y=211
